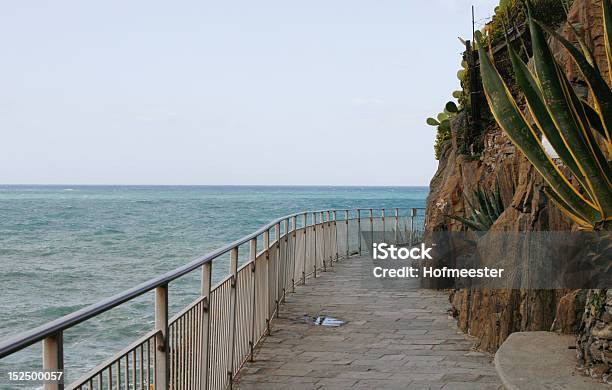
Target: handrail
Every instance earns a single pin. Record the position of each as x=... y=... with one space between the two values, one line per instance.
x=30 y=337
x=51 y=332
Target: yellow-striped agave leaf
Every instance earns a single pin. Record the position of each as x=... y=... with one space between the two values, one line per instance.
x=511 y=120
x=570 y=119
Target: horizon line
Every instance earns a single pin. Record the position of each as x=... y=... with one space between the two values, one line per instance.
x=205 y=185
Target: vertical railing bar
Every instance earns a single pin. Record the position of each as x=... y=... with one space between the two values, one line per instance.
x=205 y=292
x=119 y=374
x=155 y=379
x=359 y=229
x=110 y=377
x=191 y=347
x=382 y=213
x=329 y=239
x=346 y=215
x=196 y=354
x=277 y=267
x=267 y=290
x=173 y=353
x=127 y=371
x=149 y=364
x=371 y=228
x=396 y=226
x=142 y=366
x=161 y=351
x=412 y=215
x=335 y=215
x=305 y=223
x=252 y=257
x=323 y=231
x=294 y=236
x=181 y=357
x=233 y=311
x=314 y=229
x=53 y=357
x=286 y=260
x=188 y=348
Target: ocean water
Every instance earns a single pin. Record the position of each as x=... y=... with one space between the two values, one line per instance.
x=64 y=247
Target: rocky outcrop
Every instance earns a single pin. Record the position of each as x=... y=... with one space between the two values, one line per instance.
x=492 y=315
x=595 y=335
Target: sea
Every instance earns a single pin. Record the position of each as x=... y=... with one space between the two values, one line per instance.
x=65 y=247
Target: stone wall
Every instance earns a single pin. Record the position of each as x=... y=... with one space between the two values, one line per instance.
x=491 y=315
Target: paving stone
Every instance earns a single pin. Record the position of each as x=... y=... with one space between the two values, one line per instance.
x=391 y=340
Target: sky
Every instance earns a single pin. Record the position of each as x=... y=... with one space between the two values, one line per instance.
x=332 y=92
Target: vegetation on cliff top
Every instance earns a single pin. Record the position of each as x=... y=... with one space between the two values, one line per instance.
x=575 y=129
x=509 y=14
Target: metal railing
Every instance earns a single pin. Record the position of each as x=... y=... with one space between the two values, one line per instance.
x=204 y=345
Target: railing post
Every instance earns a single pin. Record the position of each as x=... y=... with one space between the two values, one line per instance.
x=233 y=306
x=314 y=229
x=205 y=293
x=335 y=216
x=346 y=215
x=359 y=229
x=252 y=257
x=323 y=231
x=396 y=226
x=162 y=367
x=294 y=234
x=277 y=281
x=382 y=213
x=53 y=358
x=305 y=223
x=266 y=244
x=371 y=228
x=412 y=215
x=285 y=260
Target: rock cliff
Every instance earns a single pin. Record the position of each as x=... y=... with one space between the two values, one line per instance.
x=491 y=315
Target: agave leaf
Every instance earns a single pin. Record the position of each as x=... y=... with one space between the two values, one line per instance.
x=510 y=118
x=477 y=215
x=480 y=219
x=607 y=12
x=601 y=92
x=589 y=138
x=469 y=223
x=484 y=207
x=572 y=126
x=565 y=208
x=490 y=211
x=593 y=117
x=432 y=122
x=540 y=114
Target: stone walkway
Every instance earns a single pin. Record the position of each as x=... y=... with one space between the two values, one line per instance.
x=392 y=340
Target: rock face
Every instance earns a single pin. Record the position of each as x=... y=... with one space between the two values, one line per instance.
x=492 y=315
x=595 y=336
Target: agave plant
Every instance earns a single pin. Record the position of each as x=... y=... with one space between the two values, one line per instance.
x=485 y=209
x=575 y=129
